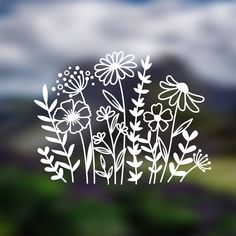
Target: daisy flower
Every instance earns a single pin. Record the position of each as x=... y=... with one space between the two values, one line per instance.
x=202 y=162
x=115 y=66
x=179 y=95
x=72 y=117
x=104 y=113
x=157 y=117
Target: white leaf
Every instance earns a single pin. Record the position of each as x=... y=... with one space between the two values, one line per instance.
x=48 y=128
x=102 y=150
x=102 y=161
x=146 y=149
x=142 y=140
x=41 y=104
x=193 y=135
x=62 y=164
x=181 y=147
x=52 y=140
x=163 y=149
x=64 y=139
x=149 y=135
x=110 y=172
x=55 y=177
x=112 y=100
x=46 y=150
x=52 y=107
x=50 y=169
x=182 y=127
x=44 y=118
x=186 y=161
x=58 y=152
x=172 y=168
x=41 y=151
x=185 y=135
x=45 y=161
x=100 y=173
x=76 y=165
x=148 y=158
x=70 y=151
x=176 y=157
x=114 y=122
x=45 y=94
x=134 y=177
x=89 y=157
x=191 y=149
x=180 y=173
x=174 y=172
x=120 y=158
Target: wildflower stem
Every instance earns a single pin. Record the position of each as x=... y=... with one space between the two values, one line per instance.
x=91 y=138
x=61 y=143
x=136 y=120
x=182 y=157
x=84 y=151
x=124 y=136
x=56 y=170
x=154 y=154
x=170 y=146
x=113 y=149
x=188 y=173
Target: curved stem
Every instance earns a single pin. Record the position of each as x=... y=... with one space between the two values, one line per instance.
x=84 y=151
x=124 y=136
x=183 y=155
x=113 y=149
x=170 y=145
x=62 y=145
x=91 y=138
x=56 y=170
x=117 y=137
x=188 y=173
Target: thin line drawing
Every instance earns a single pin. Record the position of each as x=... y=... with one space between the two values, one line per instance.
x=118 y=153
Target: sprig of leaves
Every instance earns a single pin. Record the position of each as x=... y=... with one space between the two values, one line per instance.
x=104 y=173
x=182 y=161
x=51 y=127
x=135 y=126
x=52 y=168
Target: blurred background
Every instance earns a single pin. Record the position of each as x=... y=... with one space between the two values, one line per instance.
x=193 y=40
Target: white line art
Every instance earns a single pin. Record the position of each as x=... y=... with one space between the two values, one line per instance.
x=148 y=145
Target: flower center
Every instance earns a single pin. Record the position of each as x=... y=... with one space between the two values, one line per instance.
x=114 y=66
x=157 y=118
x=72 y=117
x=183 y=87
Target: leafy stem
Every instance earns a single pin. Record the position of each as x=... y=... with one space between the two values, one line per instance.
x=113 y=149
x=124 y=136
x=178 y=164
x=61 y=143
x=91 y=138
x=170 y=145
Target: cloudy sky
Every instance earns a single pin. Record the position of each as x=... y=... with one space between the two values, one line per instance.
x=38 y=38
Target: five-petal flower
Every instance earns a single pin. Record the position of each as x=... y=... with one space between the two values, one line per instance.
x=158 y=118
x=72 y=117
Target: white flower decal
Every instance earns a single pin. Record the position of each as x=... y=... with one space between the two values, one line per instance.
x=158 y=118
x=178 y=95
x=155 y=139
x=201 y=161
x=105 y=113
x=72 y=117
x=115 y=66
